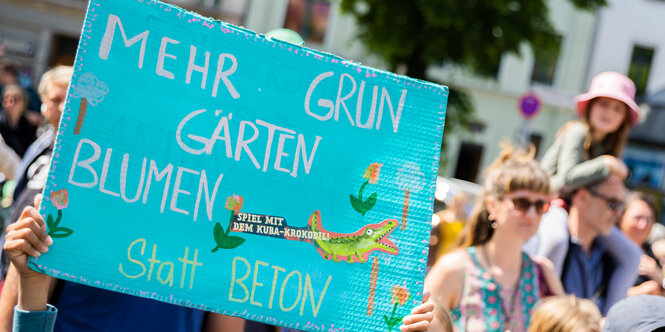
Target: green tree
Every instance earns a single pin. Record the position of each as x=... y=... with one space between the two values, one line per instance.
x=468 y=33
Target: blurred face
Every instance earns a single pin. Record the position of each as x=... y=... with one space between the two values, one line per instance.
x=54 y=103
x=13 y=103
x=518 y=213
x=637 y=221
x=603 y=206
x=6 y=77
x=606 y=115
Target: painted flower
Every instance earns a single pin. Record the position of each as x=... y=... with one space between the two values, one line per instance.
x=60 y=199
x=234 y=203
x=399 y=294
x=372 y=173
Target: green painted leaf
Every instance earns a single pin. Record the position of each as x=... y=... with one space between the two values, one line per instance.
x=392 y=322
x=61 y=232
x=231 y=242
x=59 y=218
x=356 y=204
x=50 y=223
x=369 y=203
x=218 y=233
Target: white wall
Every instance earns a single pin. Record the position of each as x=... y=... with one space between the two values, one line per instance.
x=622 y=25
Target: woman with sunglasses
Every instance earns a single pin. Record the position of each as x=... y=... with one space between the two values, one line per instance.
x=490 y=284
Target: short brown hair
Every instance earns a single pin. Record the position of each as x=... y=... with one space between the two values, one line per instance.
x=10 y=67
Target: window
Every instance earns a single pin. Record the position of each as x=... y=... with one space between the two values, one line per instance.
x=536 y=139
x=64 y=49
x=640 y=66
x=468 y=161
x=309 y=18
x=545 y=63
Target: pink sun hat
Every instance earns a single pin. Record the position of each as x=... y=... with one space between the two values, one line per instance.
x=612 y=85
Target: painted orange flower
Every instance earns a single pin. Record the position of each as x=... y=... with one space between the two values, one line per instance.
x=234 y=203
x=399 y=294
x=60 y=199
x=372 y=173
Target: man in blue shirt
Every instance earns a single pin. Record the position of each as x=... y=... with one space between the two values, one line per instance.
x=584 y=261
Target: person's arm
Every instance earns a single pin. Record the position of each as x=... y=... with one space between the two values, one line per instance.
x=648 y=287
x=8 y=299
x=219 y=322
x=445 y=283
x=552 y=238
x=24 y=238
x=9 y=160
x=573 y=168
x=551 y=278
x=650 y=268
x=626 y=255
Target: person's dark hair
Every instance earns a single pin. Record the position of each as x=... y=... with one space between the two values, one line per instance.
x=10 y=67
x=614 y=142
x=567 y=194
x=514 y=170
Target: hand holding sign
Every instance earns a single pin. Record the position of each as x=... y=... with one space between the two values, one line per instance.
x=274 y=122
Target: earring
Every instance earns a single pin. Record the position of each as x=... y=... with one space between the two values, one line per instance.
x=493 y=224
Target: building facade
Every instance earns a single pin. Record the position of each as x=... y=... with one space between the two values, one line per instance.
x=624 y=37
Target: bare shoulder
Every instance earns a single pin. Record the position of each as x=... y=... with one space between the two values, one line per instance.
x=451 y=263
x=446 y=278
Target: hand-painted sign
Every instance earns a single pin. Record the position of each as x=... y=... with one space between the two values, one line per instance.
x=200 y=164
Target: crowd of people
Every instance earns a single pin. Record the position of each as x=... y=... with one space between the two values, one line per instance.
x=554 y=245
x=564 y=225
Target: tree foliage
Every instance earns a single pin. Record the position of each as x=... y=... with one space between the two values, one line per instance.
x=470 y=33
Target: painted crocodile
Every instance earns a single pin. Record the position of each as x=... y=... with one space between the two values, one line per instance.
x=360 y=244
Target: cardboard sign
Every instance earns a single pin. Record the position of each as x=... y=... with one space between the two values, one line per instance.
x=200 y=164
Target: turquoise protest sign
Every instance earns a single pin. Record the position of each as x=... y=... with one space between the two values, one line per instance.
x=200 y=164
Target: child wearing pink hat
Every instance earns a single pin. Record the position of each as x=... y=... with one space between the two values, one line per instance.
x=586 y=151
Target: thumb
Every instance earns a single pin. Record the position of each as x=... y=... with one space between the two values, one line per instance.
x=38 y=200
x=426 y=296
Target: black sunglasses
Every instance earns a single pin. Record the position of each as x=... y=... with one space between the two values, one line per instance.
x=613 y=203
x=523 y=205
